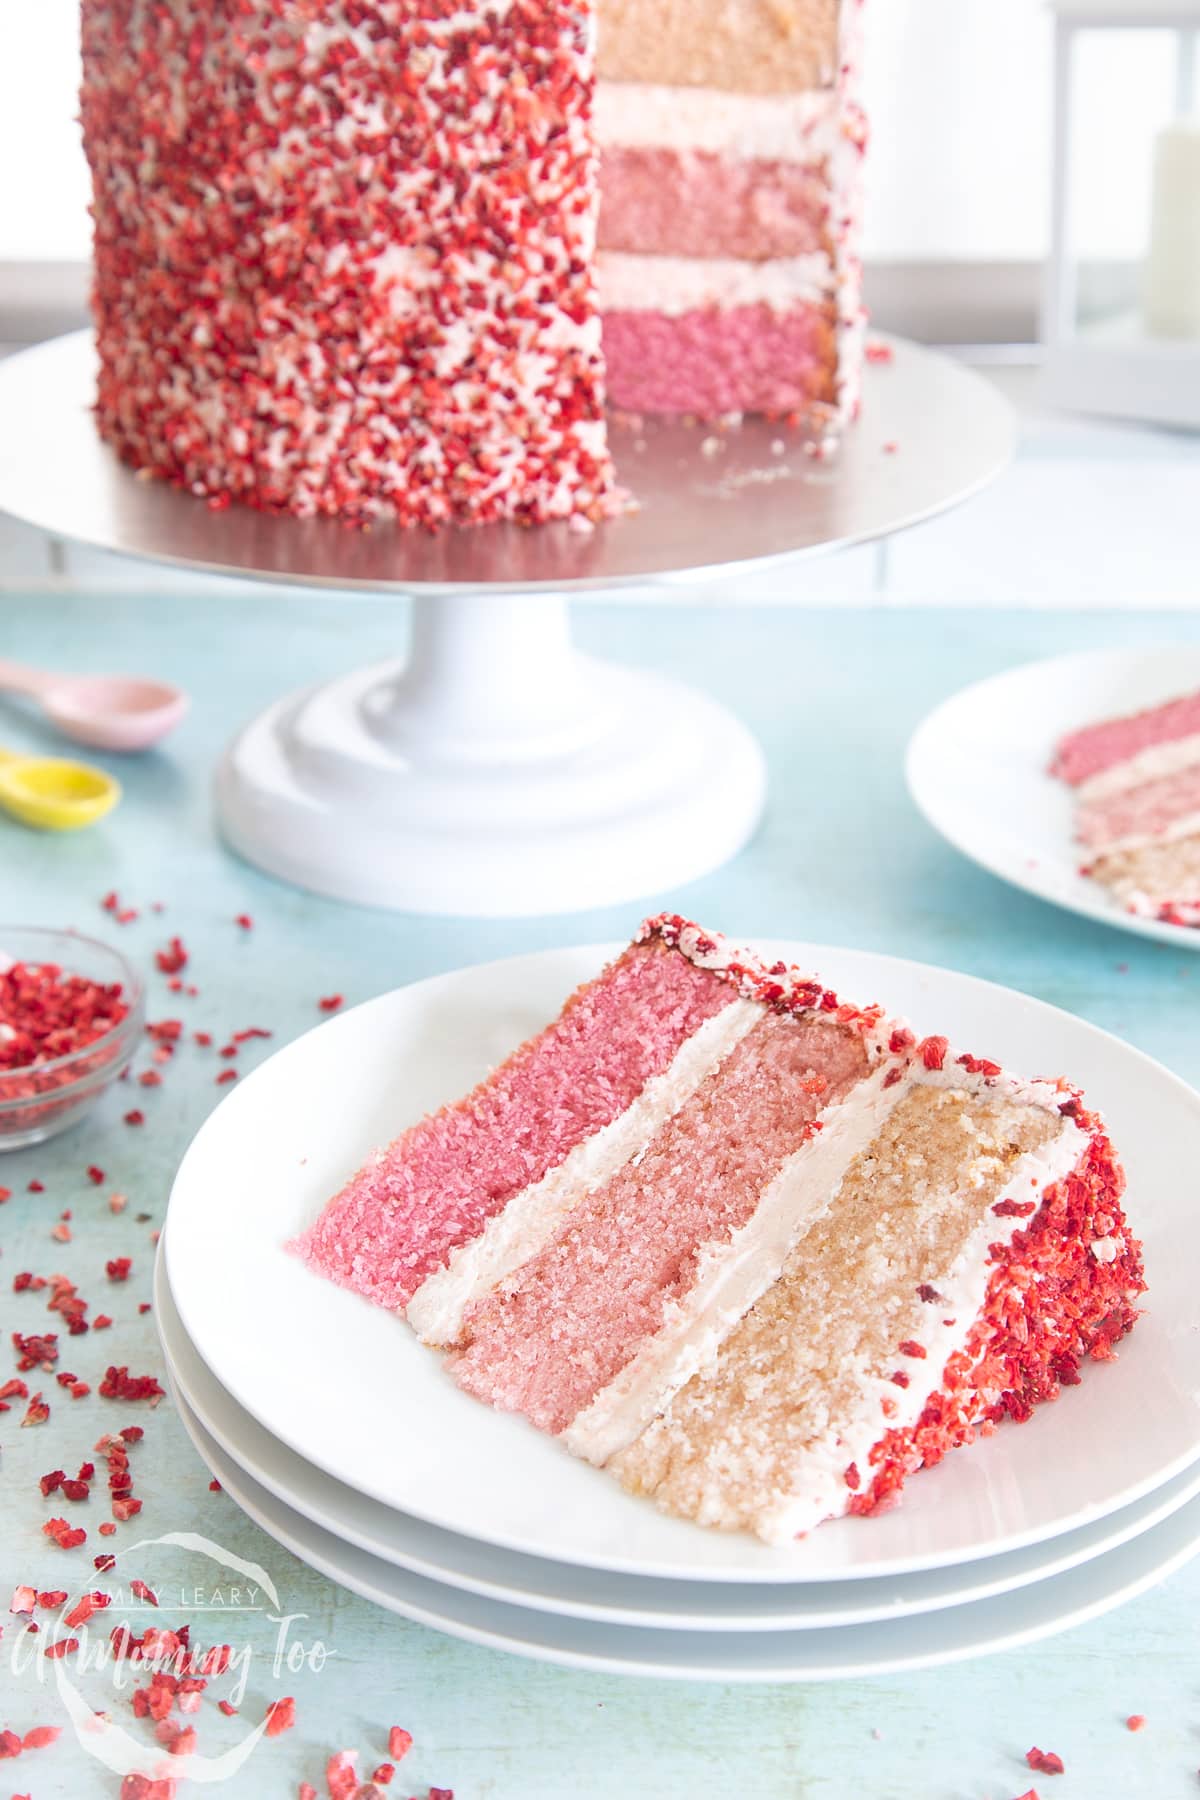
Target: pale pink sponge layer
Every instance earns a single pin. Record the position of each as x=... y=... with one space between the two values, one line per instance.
x=700 y=203
x=1148 y=810
x=722 y=360
x=1099 y=747
x=571 y=1318
x=438 y=1184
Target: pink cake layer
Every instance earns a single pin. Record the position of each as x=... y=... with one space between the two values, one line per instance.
x=1147 y=810
x=570 y=1319
x=722 y=360
x=1098 y=747
x=665 y=202
x=440 y=1182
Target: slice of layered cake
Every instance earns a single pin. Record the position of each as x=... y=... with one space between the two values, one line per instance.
x=731 y=146
x=758 y=1251
x=1137 y=784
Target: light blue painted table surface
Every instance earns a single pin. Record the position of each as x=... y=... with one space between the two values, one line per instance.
x=842 y=857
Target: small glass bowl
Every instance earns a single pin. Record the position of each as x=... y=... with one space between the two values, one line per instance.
x=43 y=1099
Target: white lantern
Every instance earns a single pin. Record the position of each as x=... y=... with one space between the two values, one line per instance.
x=1121 y=320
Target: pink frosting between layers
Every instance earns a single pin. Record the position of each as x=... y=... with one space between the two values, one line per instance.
x=440 y=1182
x=569 y=1320
x=665 y=202
x=1098 y=747
x=722 y=360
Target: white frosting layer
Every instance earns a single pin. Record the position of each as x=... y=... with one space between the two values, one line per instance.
x=531 y=1217
x=787 y=127
x=1147 y=765
x=821 y=1491
x=683 y=284
x=731 y=1276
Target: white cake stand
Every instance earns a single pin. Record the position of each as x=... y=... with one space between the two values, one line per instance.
x=495 y=770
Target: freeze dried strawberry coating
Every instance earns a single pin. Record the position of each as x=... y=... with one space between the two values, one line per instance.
x=343 y=254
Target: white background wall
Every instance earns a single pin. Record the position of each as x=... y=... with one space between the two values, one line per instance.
x=959 y=92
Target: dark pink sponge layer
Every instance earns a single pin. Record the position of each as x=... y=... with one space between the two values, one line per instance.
x=722 y=359
x=440 y=1182
x=571 y=1318
x=698 y=203
x=1096 y=748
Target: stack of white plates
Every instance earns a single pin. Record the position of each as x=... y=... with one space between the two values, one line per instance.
x=344 y=1438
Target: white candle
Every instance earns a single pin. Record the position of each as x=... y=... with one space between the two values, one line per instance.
x=1171 y=296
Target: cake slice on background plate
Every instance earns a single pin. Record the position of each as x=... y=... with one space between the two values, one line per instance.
x=758 y=1251
x=731 y=145
x=1137 y=784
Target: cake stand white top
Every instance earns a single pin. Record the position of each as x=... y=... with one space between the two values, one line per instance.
x=709 y=501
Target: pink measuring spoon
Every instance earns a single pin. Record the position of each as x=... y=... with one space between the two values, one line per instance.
x=110 y=712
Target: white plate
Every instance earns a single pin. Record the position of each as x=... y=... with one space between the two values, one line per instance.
x=603 y=1595
x=349 y=1388
x=977 y=769
x=841 y=1652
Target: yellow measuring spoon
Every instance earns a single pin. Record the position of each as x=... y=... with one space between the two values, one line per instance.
x=53 y=794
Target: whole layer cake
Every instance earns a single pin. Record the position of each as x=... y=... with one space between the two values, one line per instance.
x=345 y=250
x=759 y=1252
x=1137 y=784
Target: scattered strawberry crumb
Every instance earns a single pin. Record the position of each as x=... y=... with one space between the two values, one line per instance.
x=281 y=1716
x=1044 y=1762
x=135 y=1117
x=1135 y=1721
x=330 y=1003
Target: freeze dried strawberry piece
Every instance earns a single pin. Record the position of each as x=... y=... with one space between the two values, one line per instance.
x=281 y=1716
x=141 y=1592
x=34 y=1350
x=228 y=1708
x=341 y=1775
x=173 y=958
x=60 y=1648
x=95 y=1175
x=1135 y=1721
x=37 y=1412
x=22 y=1600
x=51 y=1597
x=330 y=1003
x=135 y=1116
x=119 y=1384
x=117 y=1269
x=399 y=1743
x=10 y=1744
x=382 y=1776
x=306 y=1791
x=1045 y=1762
x=85 y=1606
x=75 y=1490
x=40 y=1736
x=124 y=1509
x=933 y=1051
x=64 y=1535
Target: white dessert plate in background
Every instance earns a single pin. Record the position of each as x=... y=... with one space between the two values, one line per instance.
x=348 y=1387
x=603 y=1594
x=840 y=1653
x=978 y=766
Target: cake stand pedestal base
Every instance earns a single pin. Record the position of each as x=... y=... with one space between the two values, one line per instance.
x=495 y=772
